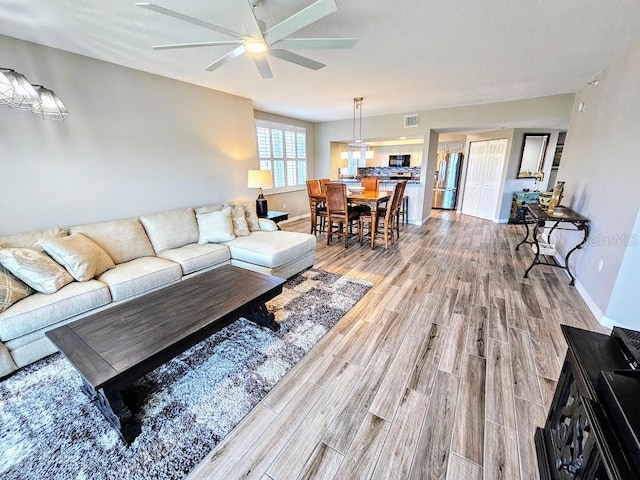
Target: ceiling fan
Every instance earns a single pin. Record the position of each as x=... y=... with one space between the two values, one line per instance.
x=258 y=40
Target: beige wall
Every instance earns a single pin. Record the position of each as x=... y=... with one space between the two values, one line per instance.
x=601 y=169
x=134 y=143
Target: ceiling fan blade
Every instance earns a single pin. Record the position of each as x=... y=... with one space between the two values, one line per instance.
x=302 y=43
x=226 y=58
x=186 y=18
x=198 y=44
x=295 y=58
x=263 y=66
x=304 y=17
x=248 y=19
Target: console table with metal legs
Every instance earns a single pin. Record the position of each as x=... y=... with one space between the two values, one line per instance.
x=562 y=219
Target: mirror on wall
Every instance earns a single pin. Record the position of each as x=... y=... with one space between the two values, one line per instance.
x=534 y=148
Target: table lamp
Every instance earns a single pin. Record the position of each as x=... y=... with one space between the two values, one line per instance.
x=260 y=179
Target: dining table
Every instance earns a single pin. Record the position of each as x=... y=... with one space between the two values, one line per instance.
x=369 y=198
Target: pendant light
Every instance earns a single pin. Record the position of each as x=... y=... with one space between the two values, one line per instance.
x=356 y=147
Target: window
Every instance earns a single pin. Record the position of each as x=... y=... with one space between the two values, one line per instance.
x=283 y=150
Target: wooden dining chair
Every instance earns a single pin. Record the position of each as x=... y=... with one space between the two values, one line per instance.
x=339 y=213
x=317 y=206
x=323 y=185
x=371 y=184
x=386 y=217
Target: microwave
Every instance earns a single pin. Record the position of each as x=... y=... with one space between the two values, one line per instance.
x=399 y=160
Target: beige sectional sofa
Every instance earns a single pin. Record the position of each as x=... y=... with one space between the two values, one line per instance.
x=148 y=253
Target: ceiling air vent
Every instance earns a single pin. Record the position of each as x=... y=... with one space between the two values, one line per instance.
x=411 y=120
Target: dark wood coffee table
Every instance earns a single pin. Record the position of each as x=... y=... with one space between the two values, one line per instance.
x=115 y=347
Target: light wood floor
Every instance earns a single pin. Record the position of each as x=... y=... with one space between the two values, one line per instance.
x=443 y=370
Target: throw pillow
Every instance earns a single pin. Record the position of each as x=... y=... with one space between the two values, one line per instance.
x=215 y=227
x=82 y=258
x=35 y=268
x=240 y=226
x=267 y=225
x=251 y=217
x=209 y=208
x=12 y=290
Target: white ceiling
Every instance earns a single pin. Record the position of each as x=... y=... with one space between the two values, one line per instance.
x=411 y=55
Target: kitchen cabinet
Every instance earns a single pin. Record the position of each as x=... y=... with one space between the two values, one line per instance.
x=381 y=154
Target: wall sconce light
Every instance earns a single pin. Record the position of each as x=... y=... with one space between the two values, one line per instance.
x=18 y=93
x=581 y=106
x=51 y=107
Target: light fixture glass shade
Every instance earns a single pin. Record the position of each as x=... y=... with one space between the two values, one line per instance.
x=255 y=46
x=259 y=179
x=25 y=96
x=51 y=107
x=6 y=89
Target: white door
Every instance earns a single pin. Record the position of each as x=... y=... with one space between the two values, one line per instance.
x=475 y=174
x=484 y=175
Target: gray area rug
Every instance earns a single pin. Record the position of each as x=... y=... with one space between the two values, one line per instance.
x=50 y=430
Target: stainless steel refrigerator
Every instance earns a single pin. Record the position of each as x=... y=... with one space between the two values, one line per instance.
x=446 y=180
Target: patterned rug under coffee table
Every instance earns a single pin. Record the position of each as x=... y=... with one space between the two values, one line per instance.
x=50 y=429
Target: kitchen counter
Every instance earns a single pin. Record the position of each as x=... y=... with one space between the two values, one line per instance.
x=382 y=180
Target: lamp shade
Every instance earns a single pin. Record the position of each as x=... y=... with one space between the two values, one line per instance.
x=259 y=179
x=51 y=107
x=25 y=96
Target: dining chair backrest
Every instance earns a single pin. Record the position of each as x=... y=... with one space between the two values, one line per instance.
x=370 y=184
x=323 y=185
x=396 y=199
x=336 y=198
x=313 y=187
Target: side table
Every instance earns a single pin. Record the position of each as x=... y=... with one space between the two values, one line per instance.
x=277 y=216
x=562 y=219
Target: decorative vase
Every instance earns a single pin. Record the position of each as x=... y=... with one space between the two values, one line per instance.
x=556 y=197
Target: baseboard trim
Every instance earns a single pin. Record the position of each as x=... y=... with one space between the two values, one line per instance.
x=293 y=219
x=595 y=310
x=589 y=301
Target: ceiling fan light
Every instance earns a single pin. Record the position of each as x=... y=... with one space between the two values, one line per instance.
x=255 y=46
x=25 y=96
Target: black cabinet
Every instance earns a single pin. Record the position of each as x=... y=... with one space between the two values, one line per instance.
x=584 y=436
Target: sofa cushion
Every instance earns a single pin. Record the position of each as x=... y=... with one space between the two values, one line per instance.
x=12 y=289
x=195 y=257
x=240 y=225
x=123 y=240
x=28 y=239
x=140 y=275
x=267 y=225
x=40 y=310
x=171 y=229
x=35 y=268
x=271 y=249
x=210 y=208
x=215 y=227
x=82 y=258
x=251 y=216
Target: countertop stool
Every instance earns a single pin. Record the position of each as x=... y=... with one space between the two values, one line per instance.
x=403 y=213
